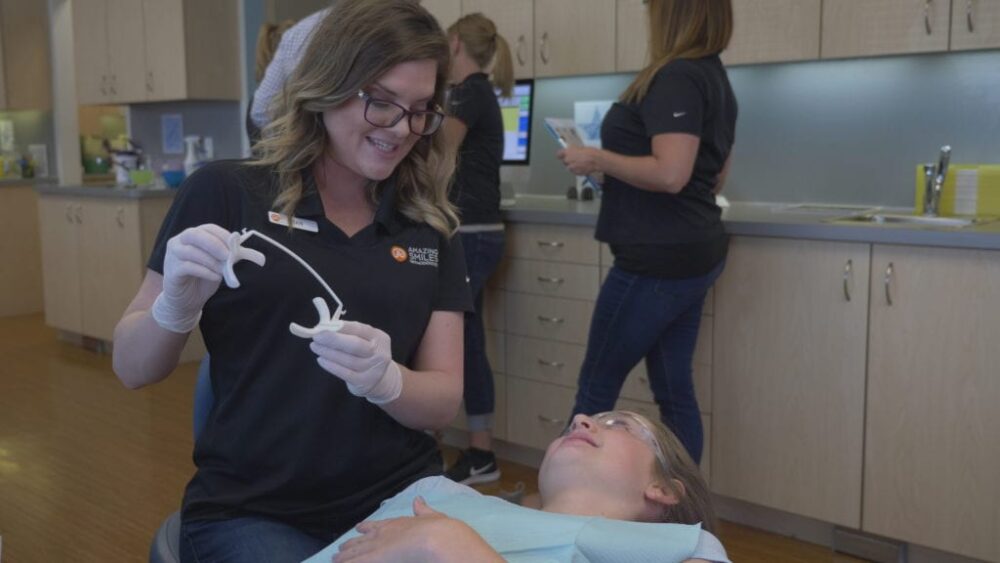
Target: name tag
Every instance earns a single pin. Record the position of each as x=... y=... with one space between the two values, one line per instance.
x=297 y=222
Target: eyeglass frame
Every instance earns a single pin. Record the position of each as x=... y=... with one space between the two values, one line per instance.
x=633 y=421
x=408 y=114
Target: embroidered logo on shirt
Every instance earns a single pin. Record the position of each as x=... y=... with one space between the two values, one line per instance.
x=423 y=256
x=399 y=254
x=680 y=113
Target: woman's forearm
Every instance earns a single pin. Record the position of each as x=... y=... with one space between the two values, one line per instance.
x=429 y=400
x=144 y=352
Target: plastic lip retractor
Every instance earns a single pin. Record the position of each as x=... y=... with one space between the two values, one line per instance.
x=238 y=253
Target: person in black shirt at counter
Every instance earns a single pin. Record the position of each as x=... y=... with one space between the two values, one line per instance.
x=474 y=127
x=666 y=153
x=344 y=208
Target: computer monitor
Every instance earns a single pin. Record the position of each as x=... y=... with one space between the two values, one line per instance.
x=516 y=112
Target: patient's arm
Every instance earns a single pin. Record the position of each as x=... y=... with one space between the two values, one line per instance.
x=426 y=536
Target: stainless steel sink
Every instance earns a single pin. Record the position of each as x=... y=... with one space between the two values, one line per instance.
x=890 y=219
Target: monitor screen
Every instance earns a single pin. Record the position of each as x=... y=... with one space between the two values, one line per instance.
x=516 y=112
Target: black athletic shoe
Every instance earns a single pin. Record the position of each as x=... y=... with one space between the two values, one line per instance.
x=474 y=466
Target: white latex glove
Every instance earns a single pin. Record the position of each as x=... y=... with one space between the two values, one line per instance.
x=361 y=355
x=192 y=270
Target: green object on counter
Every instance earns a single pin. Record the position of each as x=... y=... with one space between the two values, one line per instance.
x=141 y=177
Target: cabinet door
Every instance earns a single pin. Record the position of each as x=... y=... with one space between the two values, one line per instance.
x=788 y=386
x=859 y=28
x=515 y=22
x=165 y=77
x=25 y=35
x=90 y=53
x=58 y=227
x=975 y=24
x=447 y=12
x=632 y=35
x=932 y=452
x=774 y=30
x=574 y=37
x=126 y=51
x=110 y=263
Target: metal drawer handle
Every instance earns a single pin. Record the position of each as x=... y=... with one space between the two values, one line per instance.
x=553 y=320
x=520 y=49
x=548 y=420
x=79 y=213
x=545 y=363
x=968 y=17
x=544 y=279
x=847 y=274
x=120 y=216
x=543 y=50
x=69 y=213
x=551 y=244
x=927 y=16
x=888 y=279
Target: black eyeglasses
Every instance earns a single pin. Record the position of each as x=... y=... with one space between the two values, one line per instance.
x=383 y=113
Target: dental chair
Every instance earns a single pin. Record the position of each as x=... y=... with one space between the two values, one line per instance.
x=166 y=542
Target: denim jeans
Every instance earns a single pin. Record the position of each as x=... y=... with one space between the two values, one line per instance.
x=639 y=317
x=248 y=539
x=483 y=252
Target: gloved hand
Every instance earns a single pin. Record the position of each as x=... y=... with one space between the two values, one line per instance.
x=192 y=270
x=361 y=355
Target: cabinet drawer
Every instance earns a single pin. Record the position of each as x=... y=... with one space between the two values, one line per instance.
x=536 y=412
x=544 y=360
x=548 y=318
x=493 y=310
x=650 y=411
x=495 y=350
x=636 y=387
x=499 y=409
x=557 y=279
x=553 y=242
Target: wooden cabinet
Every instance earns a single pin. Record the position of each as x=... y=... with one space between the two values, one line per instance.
x=447 y=12
x=788 y=381
x=574 y=37
x=631 y=35
x=975 y=24
x=858 y=28
x=515 y=22
x=25 y=71
x=20 y=252
x=932 y=449
x=768 y=31
x=154 y=50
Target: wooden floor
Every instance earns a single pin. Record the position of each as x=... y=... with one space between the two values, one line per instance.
x=89 y=469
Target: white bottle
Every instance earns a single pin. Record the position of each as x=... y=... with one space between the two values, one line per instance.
x=192 y=157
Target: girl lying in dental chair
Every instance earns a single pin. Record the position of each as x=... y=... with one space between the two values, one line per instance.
x=615 y=487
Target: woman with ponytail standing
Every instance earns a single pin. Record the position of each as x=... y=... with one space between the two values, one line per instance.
x=666 y=148
x=474 y=129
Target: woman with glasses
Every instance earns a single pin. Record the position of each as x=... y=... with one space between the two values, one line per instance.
x=613 y=487
x=475 y=127
x=336 y=339
x=666 y=153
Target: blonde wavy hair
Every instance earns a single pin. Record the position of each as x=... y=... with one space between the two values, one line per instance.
x=487 y=48
x=355 y=44
x=682 y=29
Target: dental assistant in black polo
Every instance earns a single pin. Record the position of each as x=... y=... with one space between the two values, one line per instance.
x=309 y=434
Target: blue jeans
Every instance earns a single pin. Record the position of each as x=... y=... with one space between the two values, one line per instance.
x=483 y=252
x=247 y=539
x=657 y=319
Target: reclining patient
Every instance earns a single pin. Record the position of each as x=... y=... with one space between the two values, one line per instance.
x=615 y=487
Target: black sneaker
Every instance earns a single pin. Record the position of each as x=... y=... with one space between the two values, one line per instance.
x=474 y=466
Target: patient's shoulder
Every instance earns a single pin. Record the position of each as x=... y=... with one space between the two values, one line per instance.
x=708 y=550
x=442 y=486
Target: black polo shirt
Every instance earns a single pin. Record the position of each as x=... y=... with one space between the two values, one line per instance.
x=476 y=190
x=670 y=235
x=285 y=438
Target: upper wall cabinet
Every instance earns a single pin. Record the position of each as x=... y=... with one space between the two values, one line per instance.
x=766 y=31
x=632 y=35
x=25 y=76
x=975 y=24
x=447 y=12
x=574 y=37
x=131 y=51
x=515 y=22
x=858 y=28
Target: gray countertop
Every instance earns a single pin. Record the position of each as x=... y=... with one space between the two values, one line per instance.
x=6 y=182
x=112 y=192
x=770 y=220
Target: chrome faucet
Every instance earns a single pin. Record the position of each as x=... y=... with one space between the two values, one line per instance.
x=934 y=177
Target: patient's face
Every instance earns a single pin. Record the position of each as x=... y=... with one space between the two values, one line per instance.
x=604 y=452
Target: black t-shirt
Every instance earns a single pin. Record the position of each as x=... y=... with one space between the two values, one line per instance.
x=285 y=438
x=670 y=235
x=476 y=190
